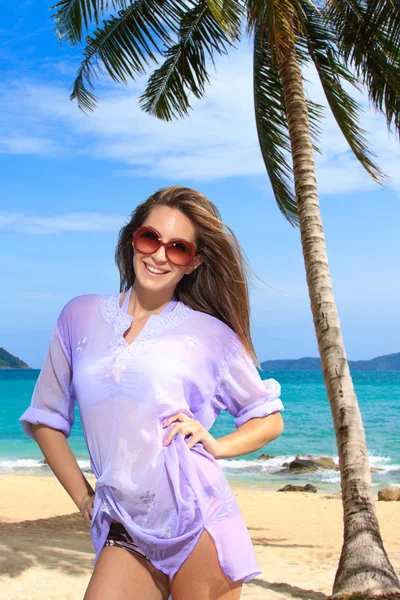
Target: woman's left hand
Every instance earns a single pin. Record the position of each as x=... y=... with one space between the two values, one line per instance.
x=190 y=427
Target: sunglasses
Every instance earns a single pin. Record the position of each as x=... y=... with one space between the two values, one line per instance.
x=147 y=240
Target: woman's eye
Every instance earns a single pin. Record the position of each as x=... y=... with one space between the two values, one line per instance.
x=151 y=236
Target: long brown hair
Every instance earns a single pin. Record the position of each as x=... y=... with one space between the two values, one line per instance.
x=219 y=286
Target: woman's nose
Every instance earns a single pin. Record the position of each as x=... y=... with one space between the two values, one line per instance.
x=161 y=254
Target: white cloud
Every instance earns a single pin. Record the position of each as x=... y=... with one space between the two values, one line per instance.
x=217 y=141
x=27 y=145
x=84 y=221
x=8 y=220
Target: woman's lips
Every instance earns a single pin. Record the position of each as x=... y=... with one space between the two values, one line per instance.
x=155 y=274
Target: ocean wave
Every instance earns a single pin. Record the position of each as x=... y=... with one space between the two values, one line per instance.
x=383 y=463
x=32 y=465
x=327 y=476
x=244 y=469
x=274 y=466
x=375 y=461
x=263 y=464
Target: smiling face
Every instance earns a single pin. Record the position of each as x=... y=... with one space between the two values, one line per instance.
x=170 y=223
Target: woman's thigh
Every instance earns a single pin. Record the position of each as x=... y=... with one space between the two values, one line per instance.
x=201 y=577
x=121 y=575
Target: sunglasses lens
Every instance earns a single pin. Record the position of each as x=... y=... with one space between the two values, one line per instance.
x=147 y=242
x=179 y=253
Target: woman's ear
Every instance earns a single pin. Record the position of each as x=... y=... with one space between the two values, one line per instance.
x=195 y=264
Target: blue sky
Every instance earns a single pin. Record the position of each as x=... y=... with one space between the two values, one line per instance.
x=69 y=181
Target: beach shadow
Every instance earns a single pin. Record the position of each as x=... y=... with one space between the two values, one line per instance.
x=61 y=543
x=277 y=542
x=285 y=588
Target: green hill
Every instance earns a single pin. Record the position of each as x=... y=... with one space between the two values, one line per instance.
x=390 y=362
x=8 y=361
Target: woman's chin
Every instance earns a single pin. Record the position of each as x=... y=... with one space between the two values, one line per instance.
x=152 y=285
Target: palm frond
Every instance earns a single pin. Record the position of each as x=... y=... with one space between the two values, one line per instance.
x=184 y=70
x=384 y=15
x=72 y=16
x=320 y=42
x=368 y=39
x=273 y=18
x=315 y=116
x=227 y=14
x=281 y=20
x=316 y=112
x=126 y=44
x=272 y=127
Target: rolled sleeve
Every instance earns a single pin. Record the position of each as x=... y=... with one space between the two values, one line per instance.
x=243 y=393
x=37 y=416
x=53 y=401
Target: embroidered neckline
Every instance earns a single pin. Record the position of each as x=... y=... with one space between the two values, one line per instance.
x=154 y=326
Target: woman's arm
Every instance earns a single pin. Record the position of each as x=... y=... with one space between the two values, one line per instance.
x=63 y=463
x=254 y=403
x=49 y=418
x=249 y=437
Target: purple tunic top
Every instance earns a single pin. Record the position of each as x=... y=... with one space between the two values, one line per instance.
x=182 y=360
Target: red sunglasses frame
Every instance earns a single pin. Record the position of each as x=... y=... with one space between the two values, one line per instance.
x=166 y=245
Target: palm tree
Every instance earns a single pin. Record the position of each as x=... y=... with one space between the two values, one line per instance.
x=348 y=41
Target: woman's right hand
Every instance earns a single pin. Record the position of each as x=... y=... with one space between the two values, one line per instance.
x=86 y=506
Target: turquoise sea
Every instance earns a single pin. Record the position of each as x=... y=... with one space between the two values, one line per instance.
x=308 y=430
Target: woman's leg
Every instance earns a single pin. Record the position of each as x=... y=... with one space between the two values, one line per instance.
x=121 y=575
x=201 y=577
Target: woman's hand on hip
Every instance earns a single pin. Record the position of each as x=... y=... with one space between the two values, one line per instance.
x=187 y=426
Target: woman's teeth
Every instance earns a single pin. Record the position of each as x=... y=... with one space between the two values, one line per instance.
x=155 y=271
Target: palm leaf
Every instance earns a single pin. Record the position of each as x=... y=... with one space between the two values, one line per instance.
x=126 y=44
x=320 y=42
x=227 y=14
x=273 y=17
x=385 y=15
x=72 y=16
x=272 y=127
x=280 y=20
x=368 y=39
x=316 y=112
x=184 y=70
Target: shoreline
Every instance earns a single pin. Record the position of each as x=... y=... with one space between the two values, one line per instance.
x=297 y=538
x=235 y=484
x=269 y=484
x=263 y=475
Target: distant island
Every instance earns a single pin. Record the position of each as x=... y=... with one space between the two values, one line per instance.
x=390 y=362
x=8 y=361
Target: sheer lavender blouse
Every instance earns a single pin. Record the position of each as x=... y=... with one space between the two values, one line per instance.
x=182 y=360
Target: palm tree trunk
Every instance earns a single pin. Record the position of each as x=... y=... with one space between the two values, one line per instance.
x=364 y=569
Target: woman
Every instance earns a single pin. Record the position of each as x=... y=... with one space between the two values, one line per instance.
x=151 y=369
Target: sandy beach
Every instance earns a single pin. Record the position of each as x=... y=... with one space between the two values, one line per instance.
x=47 y=551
